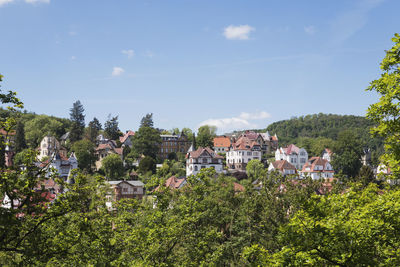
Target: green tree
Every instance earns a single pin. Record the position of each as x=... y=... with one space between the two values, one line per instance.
x=146 y=140
x=205 y=136
x=111 y=128
x=20 y=143
x=42 y=125
x=147 y=164
x=113 y=167
x=84 y=151
x=78 y=121
x=366 y=175
x=386 y=112
x=147 y=120
x=94 y=127
x=347 y=153
x=255 y=169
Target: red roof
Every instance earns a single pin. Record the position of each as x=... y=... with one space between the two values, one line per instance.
x=222 y=141
x=172 y=182
x=314 y=161
x=283 y=165
x=129 y=133
x=200 y=151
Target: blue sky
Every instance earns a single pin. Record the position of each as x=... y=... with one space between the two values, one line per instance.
x=234 y=64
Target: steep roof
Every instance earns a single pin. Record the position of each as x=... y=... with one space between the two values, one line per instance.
x=291 y=149
x=245 y=143
x=201 y=151
x=128 y=134
x=314 y=161
x=222 y=141
x=283 y=165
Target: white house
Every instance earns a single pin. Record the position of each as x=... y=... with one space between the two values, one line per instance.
x=283 y=166
x=294 y=155
x=203 y=158
x=50 y=145
x=317 y=168
x=61 y=164
x=327 y=154
x=241 y=152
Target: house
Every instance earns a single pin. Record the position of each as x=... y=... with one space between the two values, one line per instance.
x=50 y=146
x=105 y=149
x=294 y=155
x=222 y=144
x=283 y=166
x=124 y=189
x=327 y=154
x=62 y=165
x=317 y=168
x=267 y=142
x=126 y=139
x=203 y=158
x=241 y=152
x=173 y=183
x=9 y=139
x=173 y=143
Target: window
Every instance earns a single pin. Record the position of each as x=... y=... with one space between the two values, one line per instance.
x=204 y=160
x=124 y=190
x=203 y=167
x=134 y=189
x=195 y=168
x=302 y=160
x=248 y=153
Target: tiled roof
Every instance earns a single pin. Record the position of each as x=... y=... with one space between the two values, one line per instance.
x=222 y=141
x=314 y=161
x=197 y=153
x=283 y=165
x=122 y=139
x=173 y=182
x=103 y=147
x=291 y=149
x=245 y=143
x=4 y=132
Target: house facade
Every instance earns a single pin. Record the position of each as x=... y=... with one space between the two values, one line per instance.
x=241 y=152
x=283 y=166
x=317 y=168
x=203 y=158
x=267 y=142
x=294 y=155
x=124 y=189
x=105 y=149
x=222 y=144
x=50 y=146
x=126 y=139
x=173 y=143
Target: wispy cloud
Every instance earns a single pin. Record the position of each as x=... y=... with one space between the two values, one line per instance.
x=3 y=2
x=130 y=53
x=311 y=30
x=37 y=1
x=240 y=32
x=117 y=71
x=353 y=20
x=149 y=54
x=244 y=120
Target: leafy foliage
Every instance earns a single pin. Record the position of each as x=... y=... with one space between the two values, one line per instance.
x=386 y=112
x=111 y=128
x=78 y=121
x=113 y=167
x=205 y=136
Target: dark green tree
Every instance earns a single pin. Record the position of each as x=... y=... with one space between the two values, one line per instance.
x=347 y=154
x=78 y=121
x=20 y=142
x=84 y=151
x=94 y=127
x=205 y=136
x=147 y=120
x=146 y=140
x=147 y=164
x=111 y=128
x=2 y=151
x=366 y=175
x=113 y=167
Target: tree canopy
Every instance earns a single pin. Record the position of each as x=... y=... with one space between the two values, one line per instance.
x=205 y=136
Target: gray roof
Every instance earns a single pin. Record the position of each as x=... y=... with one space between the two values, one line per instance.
x=134 y=183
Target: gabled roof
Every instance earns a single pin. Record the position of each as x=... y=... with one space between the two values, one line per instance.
x=103 y=147
x=283 y=165
x=245 y=143
x=128 y=134
x=133 y=183
x=201 y=151
x=291 y=149
x=314 y=161
x=222 y=141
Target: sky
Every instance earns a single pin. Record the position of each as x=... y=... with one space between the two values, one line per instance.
x=237 y=64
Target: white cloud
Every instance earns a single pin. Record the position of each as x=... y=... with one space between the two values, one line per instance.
x=350 y=22
x=3 y=2
x=243 y=121
x=241 y=32
x=37 y=1
x=117 y=71
x=310 y=29
x=130 y=53
x=149 y=54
